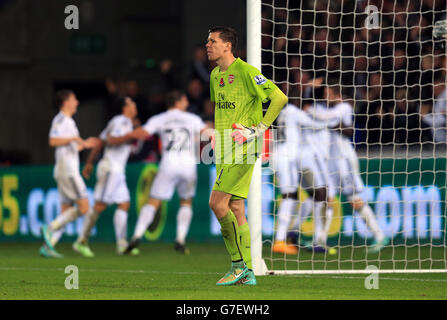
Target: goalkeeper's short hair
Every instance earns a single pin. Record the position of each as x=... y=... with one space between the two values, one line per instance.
x=227 y=34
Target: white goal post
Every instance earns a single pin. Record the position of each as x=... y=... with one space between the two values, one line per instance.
x=255 y=193
x=404 y=179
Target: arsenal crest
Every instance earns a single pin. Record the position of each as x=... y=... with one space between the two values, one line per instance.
x=222 y=83
x=231 y=78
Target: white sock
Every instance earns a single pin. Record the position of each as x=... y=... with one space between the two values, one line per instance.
x=89 y=222
x=370 y=219
x=284 y=215
x=328 y=220
x=56 y=235
x=303 y=212
x=147 y=214
x=120 y=224
x=64 y=218
x=184 y=217
x=319 y=223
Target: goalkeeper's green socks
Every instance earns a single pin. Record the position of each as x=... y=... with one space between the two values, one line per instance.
x=230 y=234
x=244 y=233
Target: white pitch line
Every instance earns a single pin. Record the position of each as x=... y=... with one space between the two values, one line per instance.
x=105 y=270
x=380 y=277
x=211 y=273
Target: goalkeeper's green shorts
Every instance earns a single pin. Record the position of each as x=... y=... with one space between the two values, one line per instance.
x=234 y=179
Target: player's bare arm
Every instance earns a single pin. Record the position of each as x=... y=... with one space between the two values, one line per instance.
x=208 y=132
x=82 y=144
x=88 y=168
x=90 y=142
x=137 y=134
x=347 y=131
x=58 y=142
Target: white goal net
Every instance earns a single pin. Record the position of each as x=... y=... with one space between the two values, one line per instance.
x=358 y=171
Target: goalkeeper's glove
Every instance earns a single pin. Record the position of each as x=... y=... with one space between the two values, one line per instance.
x=243 y=134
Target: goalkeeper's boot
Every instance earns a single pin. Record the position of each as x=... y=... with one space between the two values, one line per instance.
x=249 y=279
x=83 y=249
x=379 y=245
x=237 y=272
x=283 y=247
x=47 y=253
x=180 y=248
x=133 y=244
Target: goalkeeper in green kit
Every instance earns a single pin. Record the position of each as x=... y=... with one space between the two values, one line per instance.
x=238 y=90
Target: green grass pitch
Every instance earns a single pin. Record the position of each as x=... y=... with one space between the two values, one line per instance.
x=161 y=273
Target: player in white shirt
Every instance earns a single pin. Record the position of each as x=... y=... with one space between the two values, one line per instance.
x=111 y=187
x=297 y=163
x=343 y=161
x=64 y=137
x=318 y=139
x=179 y=132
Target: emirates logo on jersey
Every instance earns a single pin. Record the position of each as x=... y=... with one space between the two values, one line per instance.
x=231 y=78
x=223 y=104
x=222 y=83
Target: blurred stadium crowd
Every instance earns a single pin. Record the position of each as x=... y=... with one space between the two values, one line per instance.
x=395 y=74
x=148 y=105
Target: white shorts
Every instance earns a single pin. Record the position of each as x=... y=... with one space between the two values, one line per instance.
x=71 y=187
x=308 y=170
x=287 y=173
x=345 y=175
x=170 y=177
x=111 y=187
x=312 y=170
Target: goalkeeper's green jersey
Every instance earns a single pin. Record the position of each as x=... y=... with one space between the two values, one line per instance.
x=238 y=94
